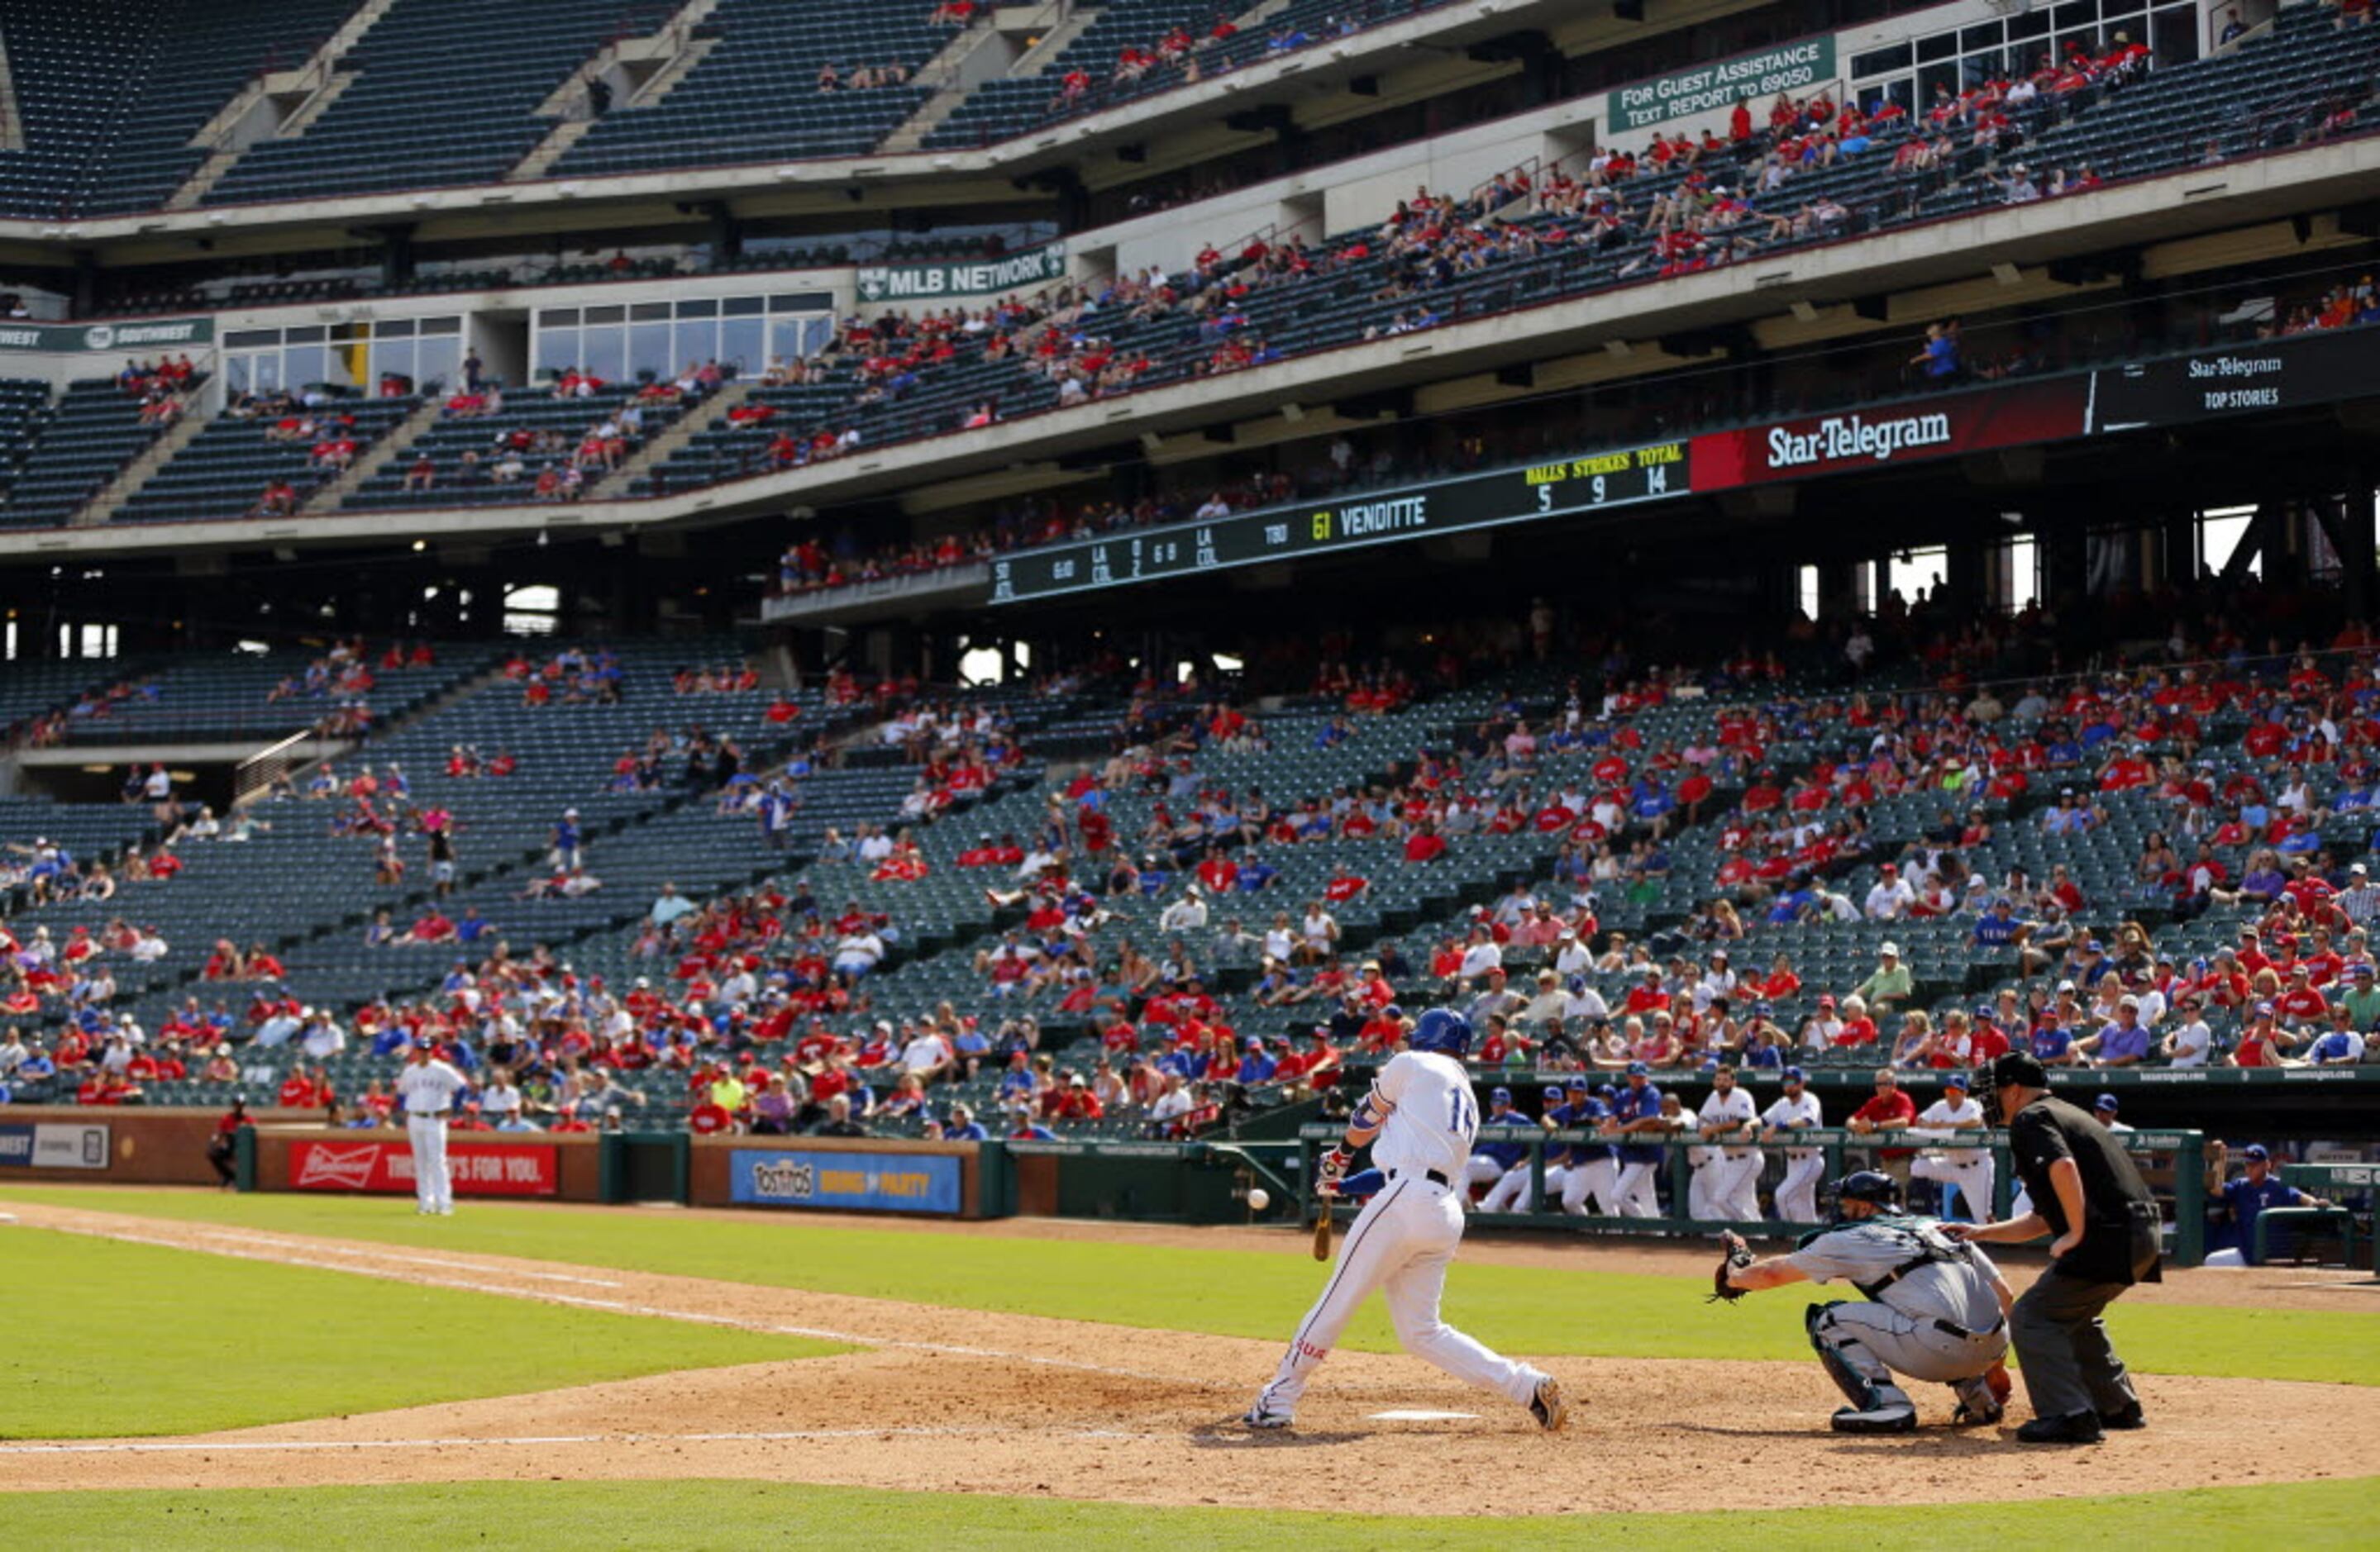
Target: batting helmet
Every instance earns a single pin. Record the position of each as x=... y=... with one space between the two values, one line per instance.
x=1868 y=1185
x=1442 y=1031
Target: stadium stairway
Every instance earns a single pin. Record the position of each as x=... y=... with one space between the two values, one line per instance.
x=967 y=62
x=135 y=476
x=332 y=494
x=659 y=449
x=91 y=432
x=675 y=44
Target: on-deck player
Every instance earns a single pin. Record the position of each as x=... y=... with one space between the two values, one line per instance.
x=427 y=1089
x=1419 y=1119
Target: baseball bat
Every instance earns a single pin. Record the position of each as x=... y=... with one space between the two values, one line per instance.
x=1322 y=1229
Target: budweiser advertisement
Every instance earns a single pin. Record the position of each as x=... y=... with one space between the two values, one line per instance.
x=479 y=1169
x=1889 y=435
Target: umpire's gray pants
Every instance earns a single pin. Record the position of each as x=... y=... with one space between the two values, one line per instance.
x=2062 y=1347
x=1916 y=1347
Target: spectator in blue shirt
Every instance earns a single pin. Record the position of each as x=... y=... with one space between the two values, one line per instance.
x=1997 y=927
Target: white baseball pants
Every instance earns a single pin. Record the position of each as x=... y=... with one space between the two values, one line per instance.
x=1401 y=1244
x=1969 y=1170
x=1797 y=1194
x=432 y=1190
x=1637 y=1195
x=1597 y=1178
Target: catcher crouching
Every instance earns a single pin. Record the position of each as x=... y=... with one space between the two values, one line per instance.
x=1938 y=1309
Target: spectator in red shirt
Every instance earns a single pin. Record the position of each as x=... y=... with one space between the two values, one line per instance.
x=1886 y=1110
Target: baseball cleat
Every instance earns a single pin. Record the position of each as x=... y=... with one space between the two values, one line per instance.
x=1895 y=1420
x=1548 y=1406
x=2124 y=1419
x=1258 y=1417
x=1975 y=1417
x=2080 y=1428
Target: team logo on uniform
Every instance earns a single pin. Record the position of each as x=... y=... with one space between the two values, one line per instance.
x=342 y=1168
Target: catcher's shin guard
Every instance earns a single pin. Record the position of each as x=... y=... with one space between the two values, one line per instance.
x=1879 y=1406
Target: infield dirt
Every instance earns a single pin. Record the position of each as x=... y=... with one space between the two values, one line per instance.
x=960 y=1400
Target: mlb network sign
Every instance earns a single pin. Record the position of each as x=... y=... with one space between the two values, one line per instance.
x=907 y=282
x=162 y=333
x=1790 y=68
x=852 y=1182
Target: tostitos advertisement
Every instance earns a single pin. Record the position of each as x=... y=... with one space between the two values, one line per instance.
x=844 y=1181
x=475 y=1168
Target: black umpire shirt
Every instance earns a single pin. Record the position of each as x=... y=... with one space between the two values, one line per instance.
x=2120 y=1223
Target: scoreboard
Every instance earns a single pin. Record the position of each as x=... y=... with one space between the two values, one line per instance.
x=1565 y=487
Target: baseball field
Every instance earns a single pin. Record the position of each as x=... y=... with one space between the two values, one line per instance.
x=195 y=1370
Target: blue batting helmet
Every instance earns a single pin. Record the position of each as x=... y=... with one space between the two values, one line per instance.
x=1443 y=1031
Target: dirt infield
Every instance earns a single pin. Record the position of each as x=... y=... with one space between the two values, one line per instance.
x=959 y=1400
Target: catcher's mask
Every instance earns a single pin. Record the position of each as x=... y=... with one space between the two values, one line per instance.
x=1872 y=1186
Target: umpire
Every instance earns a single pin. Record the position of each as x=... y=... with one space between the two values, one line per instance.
x=2086 y=1192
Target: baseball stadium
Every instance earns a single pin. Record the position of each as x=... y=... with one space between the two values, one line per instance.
x=1198 y=773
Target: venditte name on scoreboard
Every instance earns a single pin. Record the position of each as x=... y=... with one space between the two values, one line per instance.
x=1472 y=501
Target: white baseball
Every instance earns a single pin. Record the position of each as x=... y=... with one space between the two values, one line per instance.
x=1258 y=1198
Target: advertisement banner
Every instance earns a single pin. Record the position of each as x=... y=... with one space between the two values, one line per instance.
x=147 y=334
x=859 y=1182
x=982 y=277
x=53 y=1144
x=2288 y=373
x=479 y=1169
x=1791 y=67
x=1907 y=431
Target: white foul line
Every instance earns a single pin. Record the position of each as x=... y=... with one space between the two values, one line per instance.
x=200 y=1447
x=397 y=1256
x=699 y=1318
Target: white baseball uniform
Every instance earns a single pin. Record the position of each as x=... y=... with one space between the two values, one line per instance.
x=1726 y=1181
x=1405 y=1237
x=1797 y=1194
x=1968 y=1169
x=428 y=1092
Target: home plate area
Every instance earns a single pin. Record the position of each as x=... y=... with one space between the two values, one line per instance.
x=973 y=1402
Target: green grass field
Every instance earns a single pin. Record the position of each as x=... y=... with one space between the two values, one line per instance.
x=140 y=1339
x=559 y=1516
x=1247 y=1293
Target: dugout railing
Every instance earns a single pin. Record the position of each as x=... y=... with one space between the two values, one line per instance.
x=2173 y=1160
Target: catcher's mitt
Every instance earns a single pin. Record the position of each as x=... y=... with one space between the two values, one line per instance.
x=1735 y=1252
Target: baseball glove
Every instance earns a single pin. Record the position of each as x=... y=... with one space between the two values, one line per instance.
x=1735 y=1252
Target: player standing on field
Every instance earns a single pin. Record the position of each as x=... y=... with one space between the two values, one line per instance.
x=1419 y=1119
x=427 y=1089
